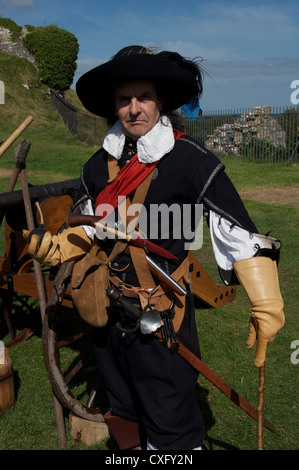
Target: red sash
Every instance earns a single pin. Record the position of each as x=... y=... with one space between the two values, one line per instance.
x=127 y=180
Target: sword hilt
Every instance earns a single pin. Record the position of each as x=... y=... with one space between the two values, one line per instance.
x=115 y=295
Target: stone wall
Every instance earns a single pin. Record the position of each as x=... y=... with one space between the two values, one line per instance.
x=258 y=123
x=15 y=48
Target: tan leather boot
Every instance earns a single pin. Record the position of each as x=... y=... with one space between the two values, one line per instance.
x=259 y=278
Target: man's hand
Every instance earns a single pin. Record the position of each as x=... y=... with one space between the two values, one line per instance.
x=259 y=278
x=42 y=248
x=53 y=250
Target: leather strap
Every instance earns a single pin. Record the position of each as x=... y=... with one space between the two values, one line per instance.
x=113 y=168
x=138 y=198
x=138 y=254
x=162 y=298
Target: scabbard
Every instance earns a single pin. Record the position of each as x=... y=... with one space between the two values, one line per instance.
x=201 y=367
x=204 y=370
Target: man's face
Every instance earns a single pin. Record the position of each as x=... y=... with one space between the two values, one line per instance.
x=138 y=107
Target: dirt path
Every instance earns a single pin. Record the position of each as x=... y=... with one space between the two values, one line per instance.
x=288 y=196
x=4 y=173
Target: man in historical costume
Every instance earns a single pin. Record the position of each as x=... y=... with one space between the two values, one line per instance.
x=150 y=388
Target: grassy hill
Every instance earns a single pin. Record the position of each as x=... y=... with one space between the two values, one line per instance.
x=55 y=154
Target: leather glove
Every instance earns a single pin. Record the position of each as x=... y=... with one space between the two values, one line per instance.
x=52 y=250
x=259 y=278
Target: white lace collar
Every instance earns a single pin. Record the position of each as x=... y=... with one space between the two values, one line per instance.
x=151 y=147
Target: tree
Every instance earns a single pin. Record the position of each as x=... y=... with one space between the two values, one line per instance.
x=55 y=51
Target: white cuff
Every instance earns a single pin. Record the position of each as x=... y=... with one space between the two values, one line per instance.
x=231 y=243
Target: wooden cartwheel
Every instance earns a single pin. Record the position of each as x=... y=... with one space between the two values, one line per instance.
x=18 y=282
x=70 y=391
x=61 y=373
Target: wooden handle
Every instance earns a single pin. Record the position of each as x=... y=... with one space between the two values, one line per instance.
x=74 y=220
x=15 y=135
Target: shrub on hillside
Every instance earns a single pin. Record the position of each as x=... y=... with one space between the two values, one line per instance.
x=14 y=29
x=55 y=51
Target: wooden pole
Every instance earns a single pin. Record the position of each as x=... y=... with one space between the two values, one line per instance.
x=260 y=405
x=13 y=180
x=37 y=267
x=41 y=294
x=15 y=135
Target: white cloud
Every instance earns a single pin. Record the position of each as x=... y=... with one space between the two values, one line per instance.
x=266 y=67
x=17 y=4
x=83 y=65
x=192 y=50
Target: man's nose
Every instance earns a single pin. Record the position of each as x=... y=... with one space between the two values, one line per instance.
x=134 y=106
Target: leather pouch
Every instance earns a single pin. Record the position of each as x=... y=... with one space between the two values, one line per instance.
x=88 y=284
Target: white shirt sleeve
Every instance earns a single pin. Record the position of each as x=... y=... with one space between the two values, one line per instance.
x=231 y=243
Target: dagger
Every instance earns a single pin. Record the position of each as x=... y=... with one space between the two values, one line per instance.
x=73 y=220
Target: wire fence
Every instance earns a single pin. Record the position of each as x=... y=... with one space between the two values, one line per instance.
x=262 y=133
x=89 y=128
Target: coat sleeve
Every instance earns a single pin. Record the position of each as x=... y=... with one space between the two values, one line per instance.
x=234 y=235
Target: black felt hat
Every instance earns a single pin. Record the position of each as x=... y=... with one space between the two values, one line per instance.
x=178 y=80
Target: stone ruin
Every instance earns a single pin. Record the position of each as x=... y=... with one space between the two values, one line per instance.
x=255 y=124
x=15 y=48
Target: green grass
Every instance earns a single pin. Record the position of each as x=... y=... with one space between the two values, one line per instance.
x=31 y=424
x=222 y=334
x=248 y=174
x=54 y=154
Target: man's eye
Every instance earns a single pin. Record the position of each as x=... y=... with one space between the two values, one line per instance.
x=123 y=101
x=144 y=97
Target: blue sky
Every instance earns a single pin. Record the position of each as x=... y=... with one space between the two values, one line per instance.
x=249 y=48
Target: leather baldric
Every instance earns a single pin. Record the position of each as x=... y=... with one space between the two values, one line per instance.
x=162 y=298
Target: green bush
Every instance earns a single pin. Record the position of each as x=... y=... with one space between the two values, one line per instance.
x=29 y=27
x=15 y=30
x=55 y=51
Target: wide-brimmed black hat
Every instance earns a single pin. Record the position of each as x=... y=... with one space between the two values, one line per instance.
x=178 y=80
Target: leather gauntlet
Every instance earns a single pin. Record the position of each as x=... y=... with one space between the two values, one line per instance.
x=53 y=250
x=259 y=278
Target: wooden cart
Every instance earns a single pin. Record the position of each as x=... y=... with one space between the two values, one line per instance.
x=66 y=338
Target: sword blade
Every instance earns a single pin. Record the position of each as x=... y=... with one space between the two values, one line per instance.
x=73 y=220
x=203 y=369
